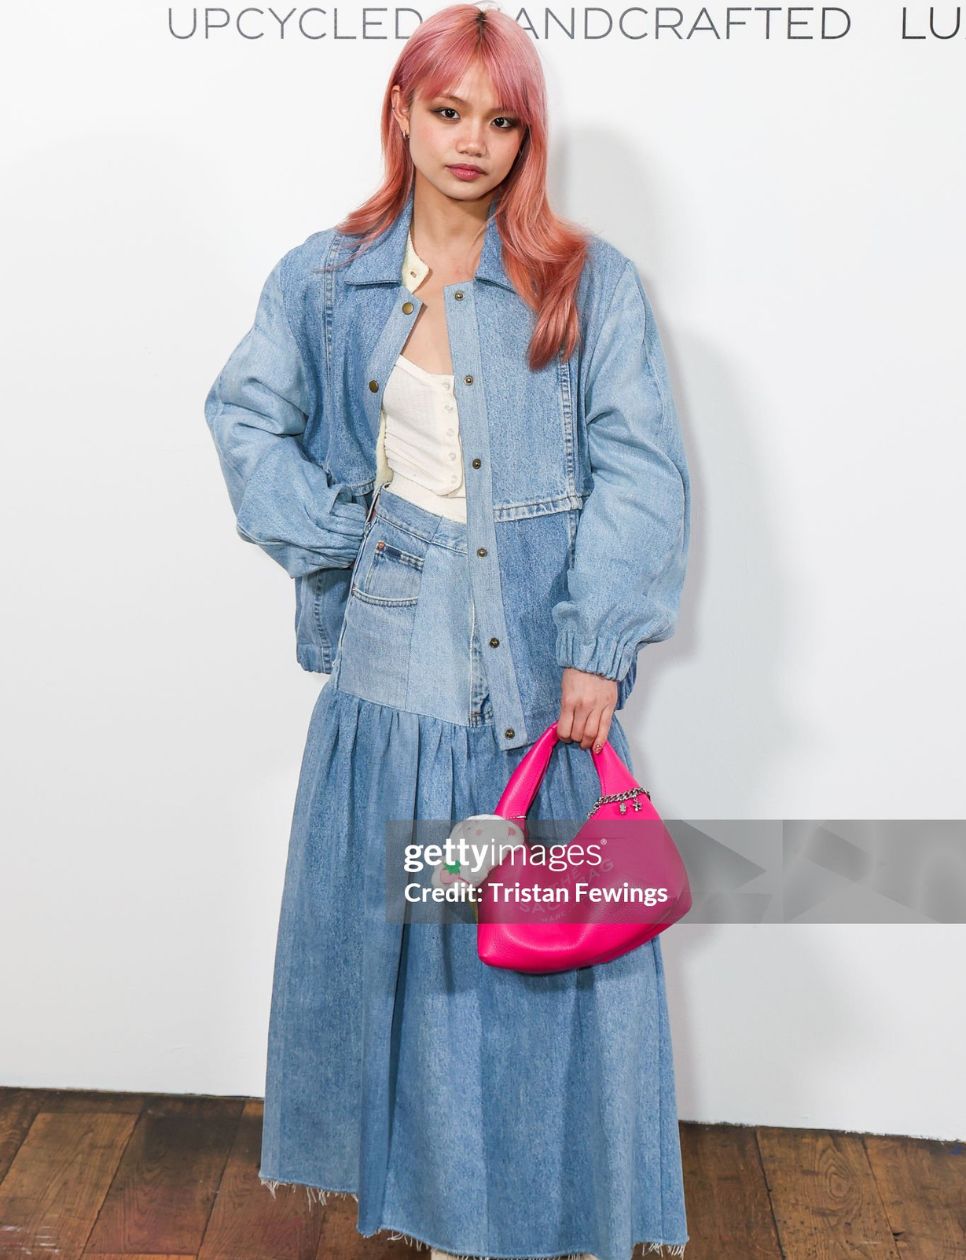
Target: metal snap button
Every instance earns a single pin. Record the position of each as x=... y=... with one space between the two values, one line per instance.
x=468 y=379
x=481 y=551
x=494 y=642
x=374 y=386
x=408 y=308
x=380 y=544
x=458 y=295
x=477 y=463
x=509 y=732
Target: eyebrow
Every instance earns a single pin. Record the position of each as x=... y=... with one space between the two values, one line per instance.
x=501 y=109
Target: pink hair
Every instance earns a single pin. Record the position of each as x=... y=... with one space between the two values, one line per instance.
x=543 y=254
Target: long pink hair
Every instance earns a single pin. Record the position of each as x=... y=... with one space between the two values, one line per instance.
x=543 y=255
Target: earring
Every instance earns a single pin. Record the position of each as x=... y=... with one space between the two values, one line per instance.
x=406 y=136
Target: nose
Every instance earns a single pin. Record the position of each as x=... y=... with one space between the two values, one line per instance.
x=471 y=142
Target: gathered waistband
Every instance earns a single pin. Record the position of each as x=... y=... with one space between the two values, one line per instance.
x=438 y=531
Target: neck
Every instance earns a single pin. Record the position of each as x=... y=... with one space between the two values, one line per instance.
x=448 y=231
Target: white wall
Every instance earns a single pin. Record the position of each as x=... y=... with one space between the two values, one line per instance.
x=796 y=211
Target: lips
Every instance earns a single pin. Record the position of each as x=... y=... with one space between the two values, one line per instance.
x=462 y=166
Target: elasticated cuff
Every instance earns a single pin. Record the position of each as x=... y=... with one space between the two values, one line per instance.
x=608 y=657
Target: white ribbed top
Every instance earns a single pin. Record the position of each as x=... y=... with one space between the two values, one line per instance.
x=419 y=449
x=422 y=439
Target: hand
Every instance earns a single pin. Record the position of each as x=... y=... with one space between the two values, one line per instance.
x=587 y=704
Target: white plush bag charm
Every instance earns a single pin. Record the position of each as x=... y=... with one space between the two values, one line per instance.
x=479 y=843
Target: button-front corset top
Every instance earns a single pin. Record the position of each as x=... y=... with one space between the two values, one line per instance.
x=422 y=439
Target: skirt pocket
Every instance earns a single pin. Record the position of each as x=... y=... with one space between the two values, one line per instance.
x=392 y=575
x=376 y=645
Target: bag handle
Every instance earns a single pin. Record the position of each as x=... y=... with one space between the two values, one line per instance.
x=524 y=782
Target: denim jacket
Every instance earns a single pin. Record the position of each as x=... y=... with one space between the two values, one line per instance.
x=577 y=486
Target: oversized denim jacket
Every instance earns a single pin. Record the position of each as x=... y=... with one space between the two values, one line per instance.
x=577 y=487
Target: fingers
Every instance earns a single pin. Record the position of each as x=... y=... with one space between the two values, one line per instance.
x=587 y=705
x=588 y=725
x=603 y=728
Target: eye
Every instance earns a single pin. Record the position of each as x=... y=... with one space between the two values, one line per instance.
x=450 y=115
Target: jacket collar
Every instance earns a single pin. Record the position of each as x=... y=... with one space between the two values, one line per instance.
x=382 y=261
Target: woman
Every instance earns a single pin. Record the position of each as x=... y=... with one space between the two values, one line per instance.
x=451 y=424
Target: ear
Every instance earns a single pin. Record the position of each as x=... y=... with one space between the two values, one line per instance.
x=399 y=109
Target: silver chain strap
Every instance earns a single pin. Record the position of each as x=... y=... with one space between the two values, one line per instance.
x=623 y=797
x=629 y=794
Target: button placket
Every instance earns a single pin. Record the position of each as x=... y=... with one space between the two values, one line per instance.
x=485 y=578
x=390 y=346
x=453 y=454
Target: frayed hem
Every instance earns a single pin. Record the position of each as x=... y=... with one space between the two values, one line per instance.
x=672 y=1249
x=464 y=1255
x=472 y=1255
x=317 y=1194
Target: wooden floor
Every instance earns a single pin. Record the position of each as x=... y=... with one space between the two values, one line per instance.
x=137 y=1176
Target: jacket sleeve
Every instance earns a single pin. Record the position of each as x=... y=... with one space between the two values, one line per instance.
x=257 y=410
x=631 y=543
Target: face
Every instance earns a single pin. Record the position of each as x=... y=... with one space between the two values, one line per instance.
x=463 y=144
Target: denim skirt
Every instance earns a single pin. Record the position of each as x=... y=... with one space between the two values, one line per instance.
x=473 y=1109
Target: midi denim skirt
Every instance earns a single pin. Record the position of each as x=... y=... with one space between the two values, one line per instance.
x=481 y=1111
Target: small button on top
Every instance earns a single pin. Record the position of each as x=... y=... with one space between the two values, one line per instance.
x=408 y=308
x=450 y=432
x=374 y=386
x=452 y=454
x=481 y=551
x=477 y=463
x=468 y=379
x=458 y=295
x=494 y=642
x=380 y=544
x=509 y=732
x=449 y=406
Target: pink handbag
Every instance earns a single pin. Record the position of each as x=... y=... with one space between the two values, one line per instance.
x=631 y=851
